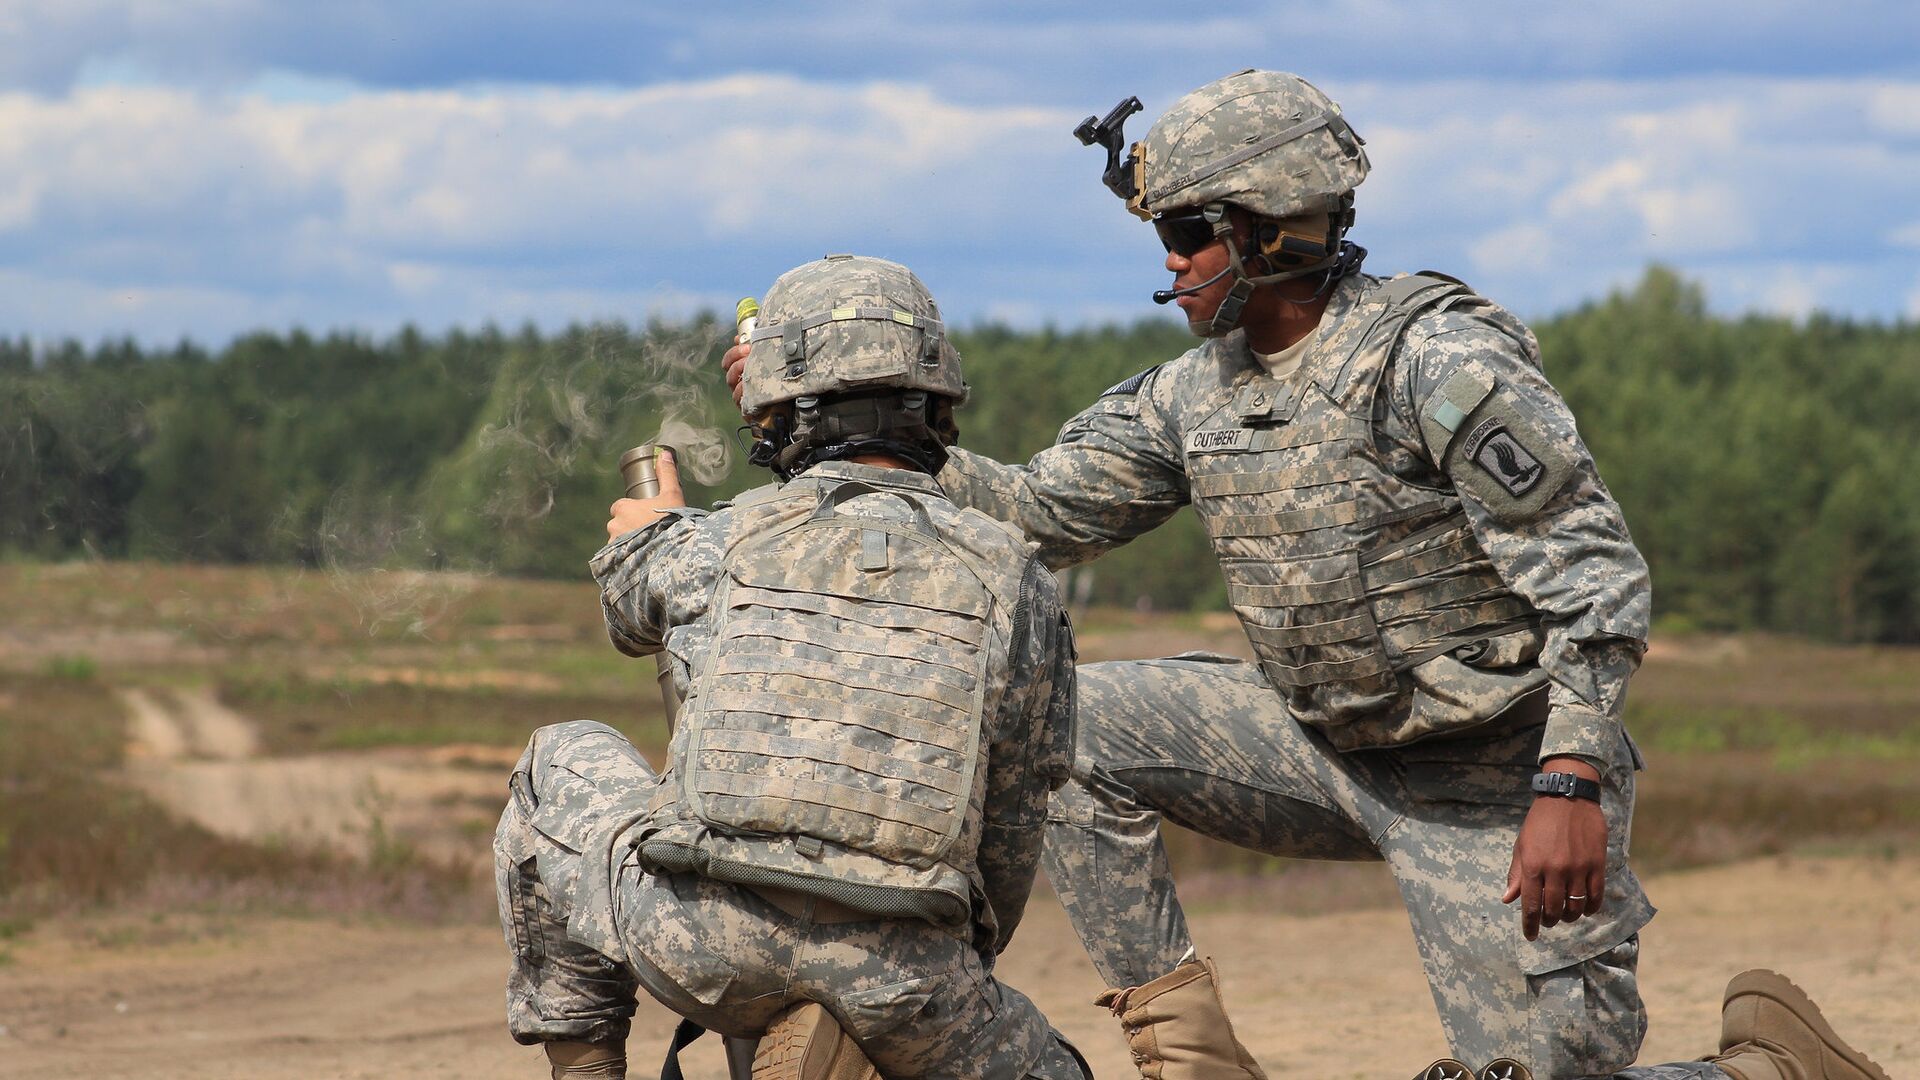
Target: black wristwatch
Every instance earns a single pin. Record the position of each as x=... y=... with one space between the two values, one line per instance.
x=1566 y=785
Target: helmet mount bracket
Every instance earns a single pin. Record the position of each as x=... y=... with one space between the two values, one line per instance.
x=1110 y=132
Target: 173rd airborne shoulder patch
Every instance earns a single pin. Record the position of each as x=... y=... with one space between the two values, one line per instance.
x=1494 y=446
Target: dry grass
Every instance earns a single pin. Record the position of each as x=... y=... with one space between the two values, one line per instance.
x=300 y=715
x=1757 y=745
x=72 y=837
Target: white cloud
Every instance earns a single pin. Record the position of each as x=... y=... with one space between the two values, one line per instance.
x=1895 y=108
x=1794 y=289
x=158 y=210
x=423 y=192
x=1551 y=191
x=1528 y=249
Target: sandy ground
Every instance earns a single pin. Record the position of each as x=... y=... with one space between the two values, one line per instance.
x=1334 y=996
x=199 y=758
x=1328 y=996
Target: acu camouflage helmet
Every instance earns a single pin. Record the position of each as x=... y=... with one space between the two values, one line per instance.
x=1266 y=141
x=848 y=323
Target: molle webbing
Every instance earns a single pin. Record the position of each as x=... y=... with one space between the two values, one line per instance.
x=1344 y=575
x=1413 y=607
x=848 y=646
x=1305 y=519
x=885 y=763
x=842 y=701
x=1295 y=594
x=865 y=617
x=1372 y=662
x=1260 y=483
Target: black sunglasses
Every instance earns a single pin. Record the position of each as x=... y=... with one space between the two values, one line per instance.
x=1186 y=233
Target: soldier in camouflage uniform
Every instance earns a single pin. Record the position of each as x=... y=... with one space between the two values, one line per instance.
x=876 y=706
x=1440 y=593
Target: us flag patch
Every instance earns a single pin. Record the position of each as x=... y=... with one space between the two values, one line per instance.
x=1130 y=385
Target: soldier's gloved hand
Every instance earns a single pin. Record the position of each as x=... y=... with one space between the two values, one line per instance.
x=735 y=363
x=587 y=1061
x=1559 y=869
x=630 y=514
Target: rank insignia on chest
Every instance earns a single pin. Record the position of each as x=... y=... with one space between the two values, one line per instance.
x=1500 y=455
x=1219 y=440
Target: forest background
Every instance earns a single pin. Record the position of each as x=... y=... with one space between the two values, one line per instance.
x=1769 y=468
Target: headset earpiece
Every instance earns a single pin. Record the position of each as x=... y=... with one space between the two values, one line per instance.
x=1294 y=242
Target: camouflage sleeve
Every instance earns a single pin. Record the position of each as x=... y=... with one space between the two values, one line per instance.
x=1030 y=756
x=655 y=578
x=1115 y=471
x=1474 y=405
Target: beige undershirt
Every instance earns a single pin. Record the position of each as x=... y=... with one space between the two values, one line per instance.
x=1284 y=363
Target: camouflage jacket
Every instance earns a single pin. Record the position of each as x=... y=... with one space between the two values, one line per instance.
x=657 y=584
x=1120 y=468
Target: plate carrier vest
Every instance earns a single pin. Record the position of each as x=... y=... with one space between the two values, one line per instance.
x=831 y=740
x=1353 y=584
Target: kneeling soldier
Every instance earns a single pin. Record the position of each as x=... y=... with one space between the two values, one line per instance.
x=877 y=703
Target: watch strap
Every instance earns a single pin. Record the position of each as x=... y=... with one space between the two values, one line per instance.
x=1566 y=786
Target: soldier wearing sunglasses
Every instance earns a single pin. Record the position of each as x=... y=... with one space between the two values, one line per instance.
x=1443 y=602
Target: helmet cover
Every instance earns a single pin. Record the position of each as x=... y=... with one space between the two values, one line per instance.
x=848 y=323
x=1266 y=141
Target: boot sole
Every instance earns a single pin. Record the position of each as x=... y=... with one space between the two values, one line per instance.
x=1779 y=988
x=806 y=1043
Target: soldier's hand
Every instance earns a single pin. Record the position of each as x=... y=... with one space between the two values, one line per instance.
x=735 y=362
x=1559 y=869
x=630 y=514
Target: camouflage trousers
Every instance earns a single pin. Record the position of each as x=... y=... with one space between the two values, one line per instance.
x=1204 y=742
x=587 y=928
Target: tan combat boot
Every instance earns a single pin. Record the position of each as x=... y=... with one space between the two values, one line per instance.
x=1771 y=1030
x=806 y=1043
x=1178 y=1029
x=587 y=1060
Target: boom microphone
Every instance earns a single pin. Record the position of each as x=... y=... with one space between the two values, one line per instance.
x=1167 y=296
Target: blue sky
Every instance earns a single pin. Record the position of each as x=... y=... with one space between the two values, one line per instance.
x=205 y=167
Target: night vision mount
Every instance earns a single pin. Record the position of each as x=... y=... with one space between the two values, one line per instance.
x=1108 y=132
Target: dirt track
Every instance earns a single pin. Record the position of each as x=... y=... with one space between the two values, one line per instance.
x=1335 y=996
x=198 y=758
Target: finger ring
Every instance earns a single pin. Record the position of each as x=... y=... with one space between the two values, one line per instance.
x=1570 y=896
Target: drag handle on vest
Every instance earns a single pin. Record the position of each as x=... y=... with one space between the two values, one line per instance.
x=640 y=472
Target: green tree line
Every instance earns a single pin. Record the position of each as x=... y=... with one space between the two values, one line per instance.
x=1769 y=469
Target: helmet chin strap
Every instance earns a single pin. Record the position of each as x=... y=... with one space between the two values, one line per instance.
x=1226 y=317
x=1231 y=306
